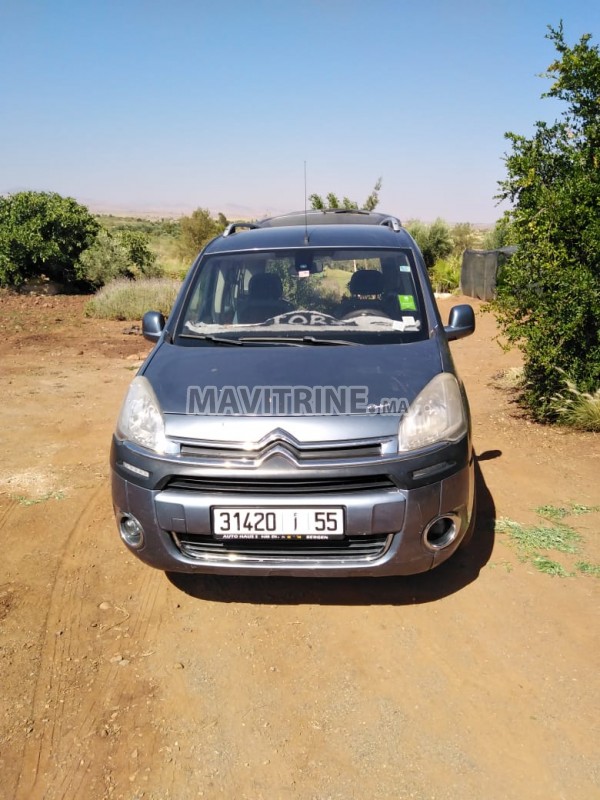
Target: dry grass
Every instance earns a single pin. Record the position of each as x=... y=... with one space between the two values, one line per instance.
x=508 y=380
x=580 y=410
x=129 y=300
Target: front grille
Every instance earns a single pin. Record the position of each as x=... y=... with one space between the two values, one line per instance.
x=351 y=548
x=275 y=486
x=300 y=454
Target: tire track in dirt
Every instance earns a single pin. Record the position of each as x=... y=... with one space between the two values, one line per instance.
x=80 y=690
x=6 y=513
x=39 y=751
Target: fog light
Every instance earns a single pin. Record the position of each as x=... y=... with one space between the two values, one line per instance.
x=131 y=531
x=441 y=532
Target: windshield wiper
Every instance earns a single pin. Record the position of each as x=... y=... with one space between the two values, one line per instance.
x=246 y=340
x=258 y=340
x=208 y=337
x=304 y=340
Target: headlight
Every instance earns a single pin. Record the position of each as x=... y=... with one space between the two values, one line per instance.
x=437 y=414
x=141 y=420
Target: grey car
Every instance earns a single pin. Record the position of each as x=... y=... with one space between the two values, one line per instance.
x=300 y=413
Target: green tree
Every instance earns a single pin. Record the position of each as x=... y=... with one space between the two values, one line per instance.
x=435 y=241
x=136 y=244
x=464 y=237
x=372 y=200
x=332 y=201
x=42 y=233
x=198 y=229
x=548 y=300
x=500 y=235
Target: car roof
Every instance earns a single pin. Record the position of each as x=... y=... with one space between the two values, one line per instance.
x=331 y=216
x=331 y=228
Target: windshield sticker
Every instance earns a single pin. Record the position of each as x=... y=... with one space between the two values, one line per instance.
x=406 y=324
x=407 y=302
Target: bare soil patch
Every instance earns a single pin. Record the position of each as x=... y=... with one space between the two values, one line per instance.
x=478 y=680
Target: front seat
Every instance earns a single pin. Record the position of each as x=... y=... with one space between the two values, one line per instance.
x=264 y=299
x=366 y=287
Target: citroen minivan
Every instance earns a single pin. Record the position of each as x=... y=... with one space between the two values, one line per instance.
x=300 y=413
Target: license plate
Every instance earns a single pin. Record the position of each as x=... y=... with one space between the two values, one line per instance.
x=278 y=523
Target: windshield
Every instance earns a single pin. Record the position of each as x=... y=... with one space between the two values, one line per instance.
x=305 y=296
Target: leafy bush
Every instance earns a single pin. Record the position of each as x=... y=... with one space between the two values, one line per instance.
x=548 y=300
x=104 y=261
x=136 y=243
x=120 y=255
x=445 y=275
x=130 y=299
x=42 y=233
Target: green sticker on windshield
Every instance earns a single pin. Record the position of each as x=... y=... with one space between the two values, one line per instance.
x=407 y=302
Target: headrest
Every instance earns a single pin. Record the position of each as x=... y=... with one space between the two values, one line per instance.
x=366 y=281
x=265 y=285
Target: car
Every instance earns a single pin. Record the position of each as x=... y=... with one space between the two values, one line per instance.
x=300 y=413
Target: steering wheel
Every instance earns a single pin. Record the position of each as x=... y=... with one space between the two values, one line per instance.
x=364 y=312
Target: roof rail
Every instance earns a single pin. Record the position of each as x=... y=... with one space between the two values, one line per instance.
x=392 y=222
x=233 y=227
x=334 y=210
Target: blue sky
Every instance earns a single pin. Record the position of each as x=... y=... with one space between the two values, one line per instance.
x=142 y=105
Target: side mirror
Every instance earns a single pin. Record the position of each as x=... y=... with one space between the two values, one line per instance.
x=461 y=322
x=153 y=323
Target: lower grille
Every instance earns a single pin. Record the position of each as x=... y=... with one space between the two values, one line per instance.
x=352 y=548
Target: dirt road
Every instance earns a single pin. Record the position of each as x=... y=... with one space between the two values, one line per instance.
x=478 y=680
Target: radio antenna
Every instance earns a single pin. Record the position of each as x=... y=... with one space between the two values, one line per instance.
x=305 y=211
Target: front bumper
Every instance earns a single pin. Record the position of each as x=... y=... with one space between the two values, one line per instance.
x=387 y=504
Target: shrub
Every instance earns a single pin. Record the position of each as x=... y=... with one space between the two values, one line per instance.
x=42 y=233
x=445 y=275
x=137 y=245
x=130 y=299
x=105 y=260
x=548 y=300
x=120 y=255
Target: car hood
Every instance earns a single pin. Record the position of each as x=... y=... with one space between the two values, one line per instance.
x=397 y=371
